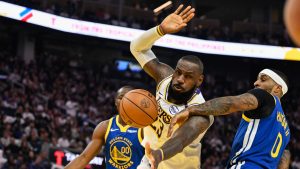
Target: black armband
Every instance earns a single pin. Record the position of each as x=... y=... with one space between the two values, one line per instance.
x=266 y=104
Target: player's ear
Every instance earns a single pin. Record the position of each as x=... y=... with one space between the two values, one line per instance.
x=277 y=89
x=200 y=80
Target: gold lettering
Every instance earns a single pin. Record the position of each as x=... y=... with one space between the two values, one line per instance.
x=125 y=166
x=165 y=117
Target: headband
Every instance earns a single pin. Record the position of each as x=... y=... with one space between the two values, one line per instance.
x=276 y=78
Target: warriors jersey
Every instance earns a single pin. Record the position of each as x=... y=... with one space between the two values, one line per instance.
x=259 y=143
x=156 y=133
x=123 y=149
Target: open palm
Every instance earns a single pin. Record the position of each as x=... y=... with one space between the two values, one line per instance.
x=178 y=20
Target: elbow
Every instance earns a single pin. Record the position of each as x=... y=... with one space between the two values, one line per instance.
x=196 y=125
x=181 y=146
x=134 y=47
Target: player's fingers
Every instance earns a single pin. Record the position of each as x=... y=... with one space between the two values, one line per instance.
x=173 y=122
x=182 y=25
x=191 y=16
x=185 y=11
x=186 y=15
x=148 y=150
x=178 y=9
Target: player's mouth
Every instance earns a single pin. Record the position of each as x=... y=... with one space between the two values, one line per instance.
x=177 y=87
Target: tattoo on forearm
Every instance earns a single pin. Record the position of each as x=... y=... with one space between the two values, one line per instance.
x=247 y=100
x=213 y=107
x=225 y=105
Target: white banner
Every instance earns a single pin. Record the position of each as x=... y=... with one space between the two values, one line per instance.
x=127 y=34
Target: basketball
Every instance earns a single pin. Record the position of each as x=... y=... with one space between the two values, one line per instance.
x=138 y=108
x=292 y=19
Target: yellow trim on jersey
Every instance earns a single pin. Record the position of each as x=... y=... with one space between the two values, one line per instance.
x=246 y=118
x=274 y=99
x=140 y=135
x=192 y=98
x=108 y=128
x=166 y=91
x=122 y=128
x=159 y=31
x=159 y=84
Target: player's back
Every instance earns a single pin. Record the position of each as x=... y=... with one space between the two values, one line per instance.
x=123 y=147
x=259 y=143
x=156 y=133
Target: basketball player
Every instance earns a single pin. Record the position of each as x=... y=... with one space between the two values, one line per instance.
x=263 y=133
x=122 y=143
x=176 y=90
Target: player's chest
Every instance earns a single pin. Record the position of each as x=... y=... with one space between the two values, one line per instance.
x=166 y=108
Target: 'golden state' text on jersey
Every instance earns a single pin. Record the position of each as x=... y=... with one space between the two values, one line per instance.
x=123 y=149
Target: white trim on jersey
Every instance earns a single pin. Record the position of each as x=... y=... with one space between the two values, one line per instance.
x=248 y=138
x=253 y=134
x=238 y=165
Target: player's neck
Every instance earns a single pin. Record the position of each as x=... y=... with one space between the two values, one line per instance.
x=121 y=122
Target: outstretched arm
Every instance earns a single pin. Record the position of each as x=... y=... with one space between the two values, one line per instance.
x=92 y=149
x=225 y=105
x=141 y=46
x=216 y=107
x=181 y=138
x=285 y=160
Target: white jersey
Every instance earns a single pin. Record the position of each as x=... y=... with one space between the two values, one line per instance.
x=156 y=133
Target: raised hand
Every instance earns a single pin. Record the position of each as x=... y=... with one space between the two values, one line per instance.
x=179 y=119
x=176 y=21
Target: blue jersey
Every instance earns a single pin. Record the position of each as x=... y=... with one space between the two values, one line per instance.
x=123 y=148
x=259 y=143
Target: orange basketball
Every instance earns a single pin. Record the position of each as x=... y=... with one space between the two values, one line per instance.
x=292 y=19
x=138 y=108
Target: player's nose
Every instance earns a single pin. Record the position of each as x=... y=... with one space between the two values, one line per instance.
x=256 y=83
x=180 y=79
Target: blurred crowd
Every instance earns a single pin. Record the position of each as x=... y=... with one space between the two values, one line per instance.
x=56 y=102
x=75 y=9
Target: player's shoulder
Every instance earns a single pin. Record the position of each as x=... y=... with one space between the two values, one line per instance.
x=259 y=91
x=102 y=128
x=263 y=96
x=163 y=84
x=197 y=98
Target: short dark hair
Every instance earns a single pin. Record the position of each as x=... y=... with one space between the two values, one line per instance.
x=194 y=59
x=282 y=75
x=127 y=87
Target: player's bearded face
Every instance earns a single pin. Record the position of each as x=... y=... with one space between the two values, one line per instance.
x=265 y=82
x=180 y=94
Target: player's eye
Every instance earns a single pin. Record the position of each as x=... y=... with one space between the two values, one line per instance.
x=188 y=76
x=178 y=72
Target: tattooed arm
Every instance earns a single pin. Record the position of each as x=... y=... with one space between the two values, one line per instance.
x=225 y=105
x=285 y=160
x=216 y=107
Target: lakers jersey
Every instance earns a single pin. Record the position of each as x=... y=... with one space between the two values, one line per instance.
x=259 y=143
x=123 y=148
x=156 y=133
